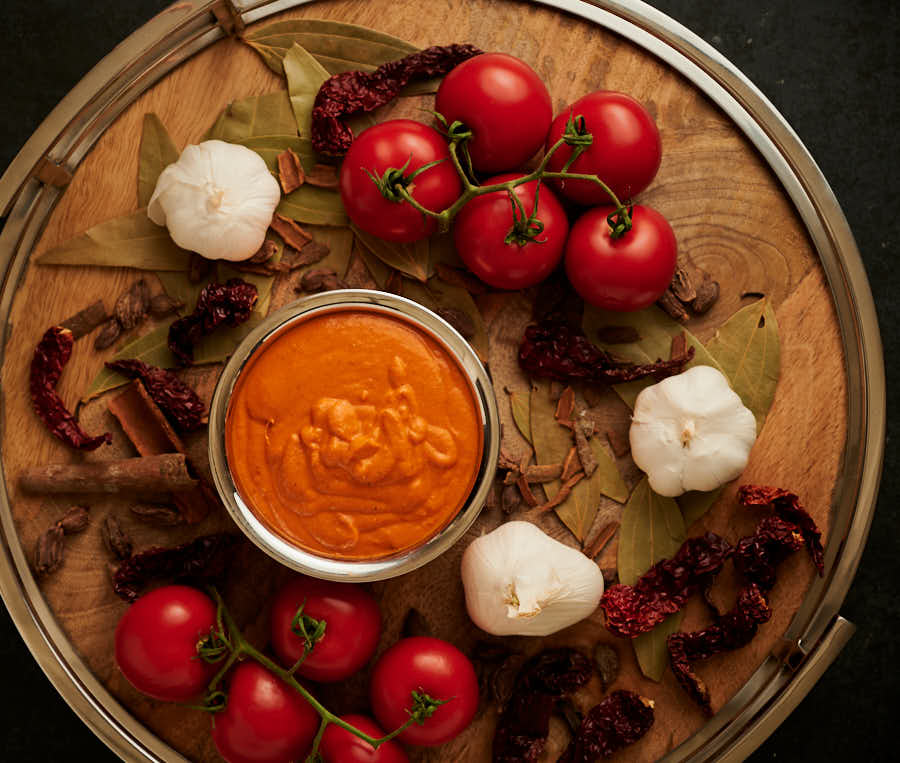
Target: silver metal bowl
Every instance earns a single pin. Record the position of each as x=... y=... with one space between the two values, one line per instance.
x=272 y=542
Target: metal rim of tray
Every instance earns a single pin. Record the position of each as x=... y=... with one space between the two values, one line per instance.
x=817 y=632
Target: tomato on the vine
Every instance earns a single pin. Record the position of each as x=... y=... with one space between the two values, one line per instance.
x=352 y=627
x=483 y=234
x=405 y=146
x=430 y=665
x=340 y=746
x=264 y=720
x=504 y=103
x=627 y=273
x=156 y=643
x=625 y=152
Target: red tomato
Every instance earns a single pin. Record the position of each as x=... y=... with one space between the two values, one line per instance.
x=351 y=633
x=625 y=153
x=156 y=643
x=264 y=720
x=427 y=665
x=393 y=144
x=505 y=104
x=480 y=229
x=340 y=746
x=627 y=273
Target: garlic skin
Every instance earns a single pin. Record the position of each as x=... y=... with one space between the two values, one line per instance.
x=216 y=200
x=521 y=582
x=691 y=432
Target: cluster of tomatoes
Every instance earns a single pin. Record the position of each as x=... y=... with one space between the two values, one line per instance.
x=159 y=640
x=507 y=112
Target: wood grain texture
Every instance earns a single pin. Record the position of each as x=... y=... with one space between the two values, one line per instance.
x=732 y=220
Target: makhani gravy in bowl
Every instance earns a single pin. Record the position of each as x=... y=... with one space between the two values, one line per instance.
x=354 y=435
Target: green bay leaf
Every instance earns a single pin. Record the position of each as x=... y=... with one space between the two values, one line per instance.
x=520 y=406
x=157 y=152
x=412 y=260
x=265 y=115
x=551 y=441
x=317 y=206
x=652 y=528
x=748 y=351
x=304 y=76
x=656 y=330
x=130 y=241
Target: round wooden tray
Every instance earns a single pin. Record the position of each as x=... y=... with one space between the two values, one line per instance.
x=748 y=205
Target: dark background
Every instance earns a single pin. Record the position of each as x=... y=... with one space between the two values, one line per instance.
x=831 y=68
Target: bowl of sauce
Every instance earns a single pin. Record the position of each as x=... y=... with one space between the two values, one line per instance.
x=354 y=435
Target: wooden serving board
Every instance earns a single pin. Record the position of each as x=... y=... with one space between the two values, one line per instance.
x=732 y=220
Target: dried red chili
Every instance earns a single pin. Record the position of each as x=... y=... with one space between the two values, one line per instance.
x=734 y=629
x=50 y=357
x=665 y=588
x=553 y=349
x=757 y=555
x=229 y=303
x=174 y=398
x=353 y=92
x=619 y=720
x=524 y=724
x=200 y=561
x=787 y=506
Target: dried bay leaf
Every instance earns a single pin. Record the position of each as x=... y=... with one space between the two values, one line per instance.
x=551 y=441
x=412 y=260
x=130 y=241
x=317 y=206
x=157 y=152
x=152 y=348
x=437 y=294
x=380 y=272
x=748 y=352
x=269 y=146
x=304 y=76
x=695 y=503
x=178 y=285
x=270 y=114
x=656 y=330
x=520 y=405
x=652 y=528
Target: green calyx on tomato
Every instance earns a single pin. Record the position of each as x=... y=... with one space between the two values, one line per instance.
x=395 y=178
x=310 y=630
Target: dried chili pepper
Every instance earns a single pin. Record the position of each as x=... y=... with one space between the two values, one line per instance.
x=553 y=349
x=353 y=92
x=757 y=555
x=665 y=588
x=174 y=398
x=50 y=357
x=618 y=721
x=524 y=724
x=787 y=506
x=199 y=561
x=734 y=629
x=229 y=303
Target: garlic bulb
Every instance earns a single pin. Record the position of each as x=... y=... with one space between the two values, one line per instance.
x=216 y=200
x=691 y=432
x=519 y=581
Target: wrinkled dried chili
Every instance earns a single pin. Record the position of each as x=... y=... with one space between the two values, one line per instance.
x=553 y=349
x=174 y=398
x=619 y=720
x=50 y=357
x=734 y=629
x=229 y=303
x=757 y=555
x=353 y=92
x=787 y=506
x=200 y=561
x=524 y=724
x=665 y=588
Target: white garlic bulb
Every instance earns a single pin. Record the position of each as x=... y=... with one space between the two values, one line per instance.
x=519 y=581
x=691 y=432
x=216 y=200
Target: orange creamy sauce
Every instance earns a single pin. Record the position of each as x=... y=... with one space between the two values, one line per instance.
x=353 y=435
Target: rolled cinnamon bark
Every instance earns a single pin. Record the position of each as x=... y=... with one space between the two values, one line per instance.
x=164 y=473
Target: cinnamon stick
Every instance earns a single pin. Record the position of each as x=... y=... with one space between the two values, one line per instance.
x=165 y=473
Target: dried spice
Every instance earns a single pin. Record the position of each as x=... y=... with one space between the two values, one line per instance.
x=585 y=452
x=159 y=516
x=618 y=334
x=48 y=553
x=323 y=176
x=75 y=520
x=266 y=252
x=200 y=561
x=570 y=464
x=50 y=357
x=524 y=724
x=108 y=334
x=293 y=235
x=133 y=305
x=198 y=268
x=510 y=499
x=606 y=660
x=707 y=294
x=358 y=275
x=459 y=277
x=85 y=321
x=606 y=534
x=115 y=538
x=679 y=346
x=554 y=350
x=672 y=306
x=619 y=443
x=757 y=556
x=162 y=305
x=787 y=506
x=525 y=490
x=290 y=171
x=565 y=407
x=618 y=721
x=732 y=630
x=458 y=319
x=682 y=286
x=229 y=304
x=320 y=279
x=563 y=492
x=353 y=92
x=665 y=588
x=174 y=398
